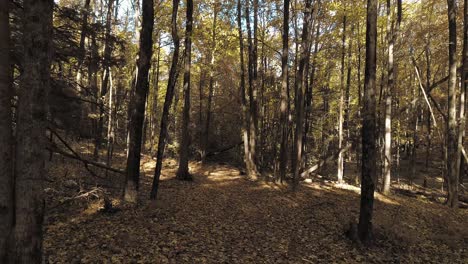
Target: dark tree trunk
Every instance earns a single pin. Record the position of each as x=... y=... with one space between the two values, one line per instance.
x=284 y=94
x=305 y=54
x=30 y=130
x=253 y=172
x=137 y=113
x=369 y=148
x=167 y=102
x=183 y=170
x=6 y=136
x=452 y=137
x=245 y=113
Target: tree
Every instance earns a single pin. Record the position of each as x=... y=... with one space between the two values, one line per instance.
x=30 y=130
x=452 y=138
x=368 y=132
x=171 y=83
x=245 y=113
x=183 y=171
x=300 y=79
x=464 y=87
x=341 y=104
x=105 y=79
x=391 y=38
x=252 y=81
x=137 y=113
x=6 y=137
x=284 y=94
x=206 y=130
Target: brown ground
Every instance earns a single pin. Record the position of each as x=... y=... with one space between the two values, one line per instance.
x=221 y=217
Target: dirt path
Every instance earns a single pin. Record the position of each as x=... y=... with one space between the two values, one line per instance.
x=221 y=217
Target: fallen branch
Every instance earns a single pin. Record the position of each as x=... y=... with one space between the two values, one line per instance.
x=324 y=161
x=213 y=153
x=86 y=162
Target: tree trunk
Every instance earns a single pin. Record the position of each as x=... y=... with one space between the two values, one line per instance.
x=452 y=138
x=206 y=130
x=305 y=52
x=6 y=136
x=284 y=95
x=137 y=113
x=171 y=83
x=82 y=51
x=156 y=95
x=391 y=36
x=105 y=78
x=464 y=86
x=369 y=148
x=245 y=112
x=340 y=164
x=30 y=130
x=183 y=170
x=253 y=172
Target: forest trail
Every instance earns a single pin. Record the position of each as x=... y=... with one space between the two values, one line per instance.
x=221 y=217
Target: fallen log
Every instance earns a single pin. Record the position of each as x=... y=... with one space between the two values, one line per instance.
x=324 y=161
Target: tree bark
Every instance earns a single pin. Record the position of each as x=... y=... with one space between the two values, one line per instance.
x=305 y=53
x=464 y=86
x=167 y=102
x=137 y=113
x=6 y=133
x=183 y=170
x=452 y=138
x=340 y=164
x=369 y=148
x=105 y=78
x=30 y=130
x=253 y=172
x=245 y=112
x=391 y=36
x=284 y=95
x=206 y=130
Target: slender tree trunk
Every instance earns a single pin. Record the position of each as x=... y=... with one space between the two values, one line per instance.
x=452 y=138
x=206 y=131
x=305 y=52
x=284 y=94
x=245 y=112
x=6 y=136
x=167 y=102
x=183 y=170
x=464 y=86
x=30 y=130
x=341 y=104
x=110 y=125
x=137 y=113
x=359 y=111
x=428 y=123
x=82 y=51
x=156 y=95
x=105 y=79
x=369 y=148
x=253 y=173
x=391 y=35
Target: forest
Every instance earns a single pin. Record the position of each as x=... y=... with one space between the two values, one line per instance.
x=233 y=131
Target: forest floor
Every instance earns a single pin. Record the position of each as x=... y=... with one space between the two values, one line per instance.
x=222 y=217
